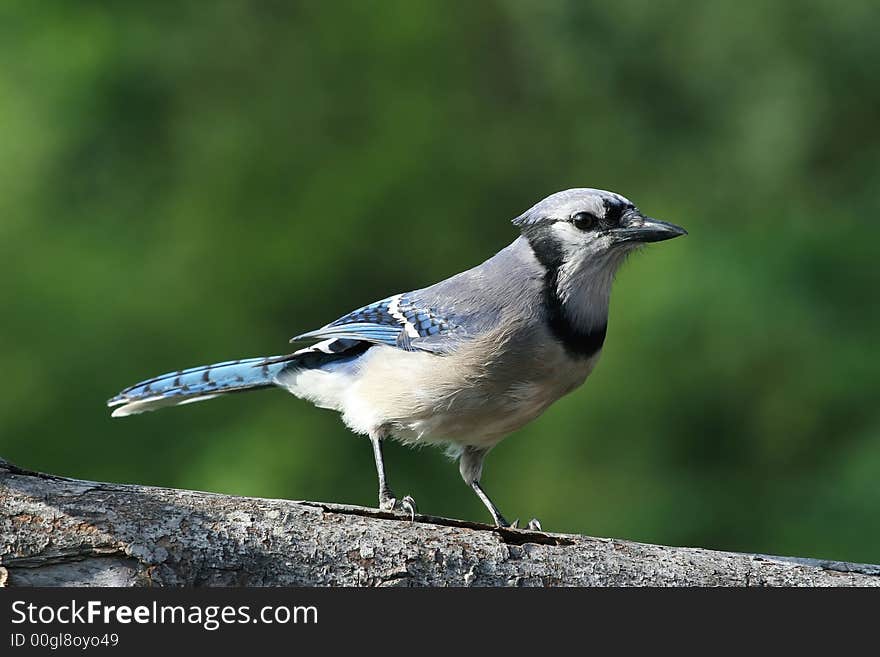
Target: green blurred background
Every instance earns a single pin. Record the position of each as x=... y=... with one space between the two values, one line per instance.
x=183 y=183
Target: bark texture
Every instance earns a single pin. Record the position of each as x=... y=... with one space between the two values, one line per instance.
x=64 y=532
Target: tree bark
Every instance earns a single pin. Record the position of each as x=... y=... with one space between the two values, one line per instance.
x=56 y=531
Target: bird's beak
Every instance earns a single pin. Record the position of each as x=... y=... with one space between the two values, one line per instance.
x=636 y=227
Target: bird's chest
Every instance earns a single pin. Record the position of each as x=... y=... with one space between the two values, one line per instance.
x=505 y=399
x=552 y=374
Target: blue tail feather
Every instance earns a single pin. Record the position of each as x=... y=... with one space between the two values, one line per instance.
x=198 y=383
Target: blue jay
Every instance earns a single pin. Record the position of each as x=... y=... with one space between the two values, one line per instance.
x=461 y=363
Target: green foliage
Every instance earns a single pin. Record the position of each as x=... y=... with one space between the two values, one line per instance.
x=184 y=183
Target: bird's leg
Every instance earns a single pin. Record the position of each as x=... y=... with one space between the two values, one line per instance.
x=496 y=514
x=471 y=467
x=387 y=501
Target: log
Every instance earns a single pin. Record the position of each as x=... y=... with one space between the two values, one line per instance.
x=56 y=531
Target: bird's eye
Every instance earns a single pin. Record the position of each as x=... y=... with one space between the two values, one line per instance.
x=583 y=221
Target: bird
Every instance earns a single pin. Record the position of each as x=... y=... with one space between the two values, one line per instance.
x=460 y=364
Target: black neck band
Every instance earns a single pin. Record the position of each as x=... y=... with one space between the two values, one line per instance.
x=576 y=340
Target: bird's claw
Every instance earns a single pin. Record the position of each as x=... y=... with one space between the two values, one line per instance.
x=408 y=504
x=391 y=503
x=533 y=525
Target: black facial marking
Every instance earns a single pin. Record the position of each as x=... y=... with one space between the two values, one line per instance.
x=576 y=341
x=614 y=211
x=547 y=249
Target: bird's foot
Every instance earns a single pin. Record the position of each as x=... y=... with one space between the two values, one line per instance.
x=533 y=525
x=387 y=502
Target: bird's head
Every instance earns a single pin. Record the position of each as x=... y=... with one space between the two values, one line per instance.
x=581 y=236
x=578 y=225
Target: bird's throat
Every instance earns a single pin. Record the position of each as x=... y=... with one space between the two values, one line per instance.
x=578 y=321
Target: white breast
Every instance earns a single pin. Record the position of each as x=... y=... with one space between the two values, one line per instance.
x=475 y=396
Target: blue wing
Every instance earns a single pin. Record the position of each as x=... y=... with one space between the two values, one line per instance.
x=397 y=321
